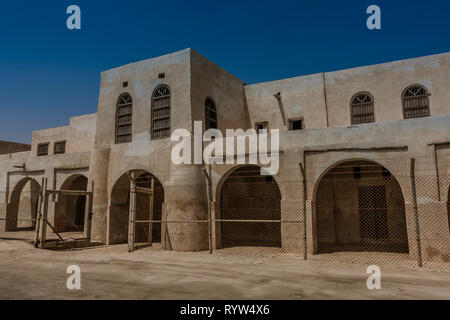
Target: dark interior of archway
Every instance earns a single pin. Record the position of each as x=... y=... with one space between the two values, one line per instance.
x=74 y=206
x=360 y=207
x=247 y=195
x=120 y=205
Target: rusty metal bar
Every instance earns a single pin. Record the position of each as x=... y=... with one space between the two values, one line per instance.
x=69 y=192
x=144 y=190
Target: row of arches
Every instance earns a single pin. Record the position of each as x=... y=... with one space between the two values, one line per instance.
x=414 y=100
x=160 y=112
x=70 y=210
x=358 y=206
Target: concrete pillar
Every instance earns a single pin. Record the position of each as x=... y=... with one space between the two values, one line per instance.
x=99 y=174
x=292 y=226
x=189 y=235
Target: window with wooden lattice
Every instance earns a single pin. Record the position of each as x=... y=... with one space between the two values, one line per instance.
x=161 y=112
x=210 y=114
x=415 y=102
x=42 y=149
x=362 y=109
x=59 y=147
x=124 y=115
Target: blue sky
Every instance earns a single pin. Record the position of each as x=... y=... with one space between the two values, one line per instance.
x=49 y=73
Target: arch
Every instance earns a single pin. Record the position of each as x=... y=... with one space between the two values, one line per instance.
x=124 y=118
x=362 y=108
x=245 y=194
x=161 y=108
x=120 y=205
x=210 y=114
x=359 y=206
x=415 y=101
x=70 y=210
x=22 y=207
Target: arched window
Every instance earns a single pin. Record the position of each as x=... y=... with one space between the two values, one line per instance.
x=161 y=112
x=362 y=108
x=210 y=114
x=124 y=114
x=415 y=102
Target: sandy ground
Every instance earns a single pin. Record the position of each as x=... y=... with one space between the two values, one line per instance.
x=112 y=273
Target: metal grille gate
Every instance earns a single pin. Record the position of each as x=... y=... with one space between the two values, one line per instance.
x=142 y=185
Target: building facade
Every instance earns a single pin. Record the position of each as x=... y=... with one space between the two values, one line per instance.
x=352 y=133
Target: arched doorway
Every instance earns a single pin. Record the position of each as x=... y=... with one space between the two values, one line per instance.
x=120 y=206
x=71 y=209
x=22 y=207
x=359 y=206
x=248 y=195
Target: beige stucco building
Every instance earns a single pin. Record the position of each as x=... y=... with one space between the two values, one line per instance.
x=353 y=131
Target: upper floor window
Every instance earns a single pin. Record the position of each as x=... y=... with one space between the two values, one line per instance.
x=59 y=147
x=296 y=124
x=362 y=108
x=415 y=102
x=42 y=149
x=210 y=114
x=161 y=112
x=260 y=126
x=124 y=115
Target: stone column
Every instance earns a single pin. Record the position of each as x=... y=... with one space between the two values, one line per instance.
x=99 y=174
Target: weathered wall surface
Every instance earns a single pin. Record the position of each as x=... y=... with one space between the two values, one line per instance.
x=79 y=135
x=227 y=91
x=304 y=96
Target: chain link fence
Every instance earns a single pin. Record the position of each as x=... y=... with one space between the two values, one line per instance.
x=355 y=212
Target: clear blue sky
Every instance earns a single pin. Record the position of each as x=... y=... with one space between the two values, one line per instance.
x=49 y=73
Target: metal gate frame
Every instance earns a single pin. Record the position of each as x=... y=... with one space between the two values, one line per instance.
x=42 y=214
x=134 y=190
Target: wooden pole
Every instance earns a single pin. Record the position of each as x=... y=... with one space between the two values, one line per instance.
x=305 y=246
x=39 y=214
x=416 y=212
x=88 y=218
x=44 y=215
x=151 y=201
x=132 y=215
x=436 y=166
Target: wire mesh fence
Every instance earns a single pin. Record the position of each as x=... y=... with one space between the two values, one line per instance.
x=356 y=212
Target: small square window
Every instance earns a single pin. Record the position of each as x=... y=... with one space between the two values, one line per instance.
x=42 y=149
x=262 y=126
x=125 y=84
x=296 y=124
x=59 y=147
x=161 y=75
